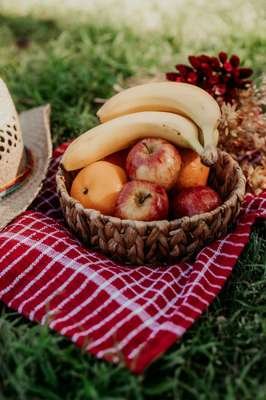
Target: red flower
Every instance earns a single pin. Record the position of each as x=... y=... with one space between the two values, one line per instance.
x=234 y=61
x=222 y=56
x=220 y=76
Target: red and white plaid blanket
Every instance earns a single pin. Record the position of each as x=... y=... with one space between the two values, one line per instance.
x=112 y=311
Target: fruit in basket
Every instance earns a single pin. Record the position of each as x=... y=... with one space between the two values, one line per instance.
x=142 y=201
x=180 y=98
x=97 y=186
x=154 y=160
x=119 y=158
x=124 y=131
x=193 y=172
x=196 y=200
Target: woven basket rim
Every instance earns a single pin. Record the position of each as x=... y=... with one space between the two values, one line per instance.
x=238 y=191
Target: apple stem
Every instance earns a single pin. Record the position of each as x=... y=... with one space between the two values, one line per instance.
x=142 y=197
x=147 y=147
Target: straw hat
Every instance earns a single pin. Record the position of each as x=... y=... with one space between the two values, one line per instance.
x=25 y=151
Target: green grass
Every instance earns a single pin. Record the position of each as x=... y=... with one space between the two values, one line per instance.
x=224 y=355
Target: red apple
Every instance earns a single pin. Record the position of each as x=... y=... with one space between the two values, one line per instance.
x=196 y=200
x=118 y=158
x=142 y=201
x=154 y=160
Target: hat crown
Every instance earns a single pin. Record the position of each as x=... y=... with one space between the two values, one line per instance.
x=11 y=142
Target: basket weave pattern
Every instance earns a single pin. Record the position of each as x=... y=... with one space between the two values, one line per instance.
x=137 y=242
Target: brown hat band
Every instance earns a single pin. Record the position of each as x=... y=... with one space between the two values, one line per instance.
x=16 y=183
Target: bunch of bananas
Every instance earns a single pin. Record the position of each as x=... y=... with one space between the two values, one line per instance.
x=181 y=113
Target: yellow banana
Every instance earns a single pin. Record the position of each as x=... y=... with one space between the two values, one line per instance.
x=121 y=132
x=180 y=98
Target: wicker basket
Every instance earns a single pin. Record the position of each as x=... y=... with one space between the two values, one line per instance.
x=137 y=242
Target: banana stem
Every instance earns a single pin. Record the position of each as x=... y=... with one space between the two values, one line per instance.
x=209 y=155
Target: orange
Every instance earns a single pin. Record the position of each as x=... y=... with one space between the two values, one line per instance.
x=98 y=185
x=193 y=172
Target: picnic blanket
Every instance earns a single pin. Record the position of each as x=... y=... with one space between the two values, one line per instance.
x=110 y=310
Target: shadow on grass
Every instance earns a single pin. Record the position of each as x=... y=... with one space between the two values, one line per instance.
x=26 y=29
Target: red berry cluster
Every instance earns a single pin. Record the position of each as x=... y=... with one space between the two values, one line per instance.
x=220 y=76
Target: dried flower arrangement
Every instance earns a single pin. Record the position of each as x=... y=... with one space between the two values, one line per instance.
x=243 y=123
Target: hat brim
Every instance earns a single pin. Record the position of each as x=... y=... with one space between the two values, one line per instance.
x=35 y=127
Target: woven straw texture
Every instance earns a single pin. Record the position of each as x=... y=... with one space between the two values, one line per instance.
x=11 y=141
x=35 y=127
x=138 y=242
